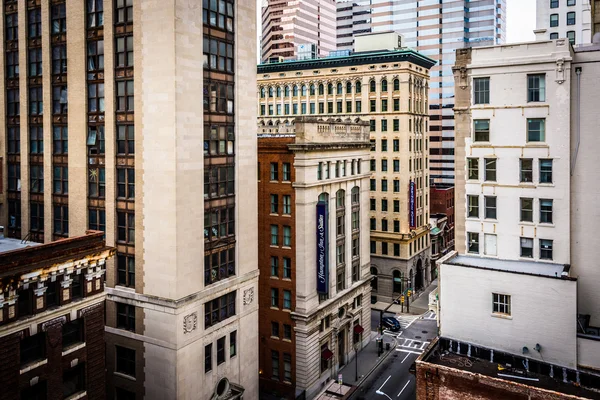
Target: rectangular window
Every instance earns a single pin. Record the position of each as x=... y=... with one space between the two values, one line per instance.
x=348 y=107
x=339 y=107
x=384 y=105
x=124 y=11
x=12 y=64
x=329 y=107
x=526 y=169
x=553 y=3
x=274 y=204
x=473 y=203
x=312 y=108
x=396 y=206
x=274 y=172
x=303 y=108
x=384 y=186
x=553 y=20
x=95 y=56
x=571 y=2
x=126 y=317
x=490 y=244
x=384 y=146
x=36 y=140
x=97 y=219
x=546 y=211
x=545 y=170
x=61 y=220
x=126 y=183
x=125 y=139
x=208 y=358
x=340 y=253
x=274 y=235
x=482 y=130
x=125 y=361
x=125 y=227
x=526 y=209
x=274 y=365
x=35 y=23
x=59 y=100
x=287 y=268
x=274 y=266
x=396 y=186
x=232 y=344
x=221 y=350
x=73 y=380
x=396 y=249
x=396 y=104
x=396 y=165
x=383 y=165
x=571 y=37
x=384 y=205
x=373 y=184
x=125 y=270
x=96 y=98
x=473 y=168
x=384 y=126
x=36 y=217
x=536 y=87
x=72 y=333
x=287 y=172
x=95 y=13
x=545 y=249
x=473 y=242
x=287 y=332
x=321 y=108
x=287 y=204
x=36 y=178
x=571 y=18
x=372 y=105
x=219 y=309
x=124 y=54
x=501 y=303
x=36 y=101
x=358 y=106
x=536 y=129
x=32 y=348
x=287 y=236
x=125 y=92
x=287 y=367
x=490 y=169
x=527 y=247
x=275 y=329
x=384 y=248
x=12 y=102
x=481 y=87
x=287 y=300
x=275 y=297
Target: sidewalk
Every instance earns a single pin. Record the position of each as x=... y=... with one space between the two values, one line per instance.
x=417 y=307
x=367 y=360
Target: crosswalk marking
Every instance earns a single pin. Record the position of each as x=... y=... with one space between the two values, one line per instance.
x=429 y=315
x=412 y=346
x=406 y=320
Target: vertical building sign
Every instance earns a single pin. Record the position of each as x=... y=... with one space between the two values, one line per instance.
x=322 y=246
x=411 y=205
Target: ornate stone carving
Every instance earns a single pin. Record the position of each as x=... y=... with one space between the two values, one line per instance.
x=560 y=70
x=248 y=296
x=60 y=321
x=190 y=323
x=88 y=310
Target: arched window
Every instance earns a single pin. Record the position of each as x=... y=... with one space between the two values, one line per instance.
x=321 y=88
x=358 y=87
x=348 y=87
x=374 y=279
x=396 y=84
x=339 y=88
x=303 y=90
x=384 y=85
x=312 y=89
x=355 y=194
x=270 y=91
x=340 y=198
x=324 y=197
x=372 y=86
x=330 y=88
x=278 y=91
x=262 y=92
x=295 y=91
x=287 y=91
x=397 y=279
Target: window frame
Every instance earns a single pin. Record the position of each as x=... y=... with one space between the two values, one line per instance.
x=501 y=304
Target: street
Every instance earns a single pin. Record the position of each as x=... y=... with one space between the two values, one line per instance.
x=391 y=380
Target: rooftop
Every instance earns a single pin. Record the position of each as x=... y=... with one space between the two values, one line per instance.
x=508 y=367
x=10 y=244
x=522 y=267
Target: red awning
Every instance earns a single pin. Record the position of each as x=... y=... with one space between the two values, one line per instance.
x=326 y=354
x=358 y=329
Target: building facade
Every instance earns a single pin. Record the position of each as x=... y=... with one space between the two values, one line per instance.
x=314 y=251
x=52 y=318
x=388 y=89
x=132 y=82
x=292 y=29
x=353 y=17
x=569 y=19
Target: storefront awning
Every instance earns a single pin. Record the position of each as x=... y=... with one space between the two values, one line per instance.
x=358 y=329
x=326 y=354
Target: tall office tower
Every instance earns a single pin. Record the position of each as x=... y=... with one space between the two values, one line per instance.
x=292 y=29
x=569 y=19
x=125 y=146
x=436 y=29
x=353 y=18
x=388 y=88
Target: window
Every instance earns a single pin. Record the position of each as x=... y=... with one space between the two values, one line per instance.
x=287 y=367
x=124 y=54
x=329 y=89
x=340 y=252
x=274 y=172
x=384 y=248
x=13 y=105
x=481 y=87
x=274 y=204
x=274 y=365
x=373 y=224
x=125 y=96
x=208 y=358
x=275 y=329
x=287 y=268
x=76 y=288
x=571 y=18
x=126 y=183
x=36 y=103
x=527 y=247
x=571 y=37
x=339 y=106
x=553 y=3
x=396 y=84
x=473 y=203
x=490 y=243
x=372 y=128
x=320 y=171
x=536 y=87
x=232 y=344
x=126 y=270
x=501 y=303
x=526 y=167
x=553 y=20
x=473 y=242
x=357 y=106
x=546 y=211
x=35 y=23
x=553 y=35
x=473 y=168
x=383 y=165
x=287 y=204
x=396 y=128
x=570 y=2
x=12 y=64
x=396 y=165
x=396 y=205
x=96 y=182
x=59 y=19
x=97 y=219
x=124 y=11
x=384 y=144
x=348 y=107
x=287 y=300
x=126 y=317
x=12 y=26
x=96 y=97
x=275 y=297
x=545 y=249
x=373 y=184
x=384 y=126
x=526 y=209
x=36 y=217
x=384 y=85
x=74 y=380
x=287 y=175
x=274 y=266
x=219 y=309
x=384 y=205
x=219 y=222
x=287 y=236
x=384 y=225
x=221 y=350
x=125 y=361
x=72 y=333
x=372 y=86
x=490 y=169
x=384 y=105
x=126 y=227
x=384 y=186
x=59 y=100
x=36 y=141
x=95 y=55
x=32 y=348
x=536 y=131
x=358 y=87
x=396 y=104
x=61 y=220
x=287 y=332
x=372 y=106
x=482 y=130
x=221 y=16
x=95 y=14
x=545 y=171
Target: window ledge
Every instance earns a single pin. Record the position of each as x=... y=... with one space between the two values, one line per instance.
x=501 y=316
x=33 y=366
x=274 y=308
x=545 y=184
x=275 y=337
x=287 y=279
x=125 y=376
x=526 y=223
x=273 y=277
x=73 y=348
x=273 y=215
x=286 y=247
x=547 y=224
x=76 y=396
x=287 y=340
x=274 y=246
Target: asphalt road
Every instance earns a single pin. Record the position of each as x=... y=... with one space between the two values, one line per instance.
x=391 y=380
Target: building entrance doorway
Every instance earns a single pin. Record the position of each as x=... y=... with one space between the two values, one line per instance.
x=341 y=343
x=419 y=276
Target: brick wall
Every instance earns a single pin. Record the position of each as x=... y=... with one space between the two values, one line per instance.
x=95 y=371
x=9 y=366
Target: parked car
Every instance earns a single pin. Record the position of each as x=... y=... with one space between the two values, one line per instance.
x=390 y=323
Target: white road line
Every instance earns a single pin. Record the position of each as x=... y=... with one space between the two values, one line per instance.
x=403 y=388
x=384 y=383
x=408 y=354
x=408 y=351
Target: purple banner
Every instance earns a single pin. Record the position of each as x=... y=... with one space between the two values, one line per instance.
x=411 y=205
x=322 y=247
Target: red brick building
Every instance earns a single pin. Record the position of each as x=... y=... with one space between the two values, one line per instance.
x=52 y=318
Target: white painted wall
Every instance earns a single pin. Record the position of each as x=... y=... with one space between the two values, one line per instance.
x=582 y=27
x=543 y=311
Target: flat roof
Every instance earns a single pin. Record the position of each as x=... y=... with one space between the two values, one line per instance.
x=524 y=267
x=10 y=244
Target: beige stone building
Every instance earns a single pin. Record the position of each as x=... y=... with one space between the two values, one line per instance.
x=152 y=95
x=389 y=89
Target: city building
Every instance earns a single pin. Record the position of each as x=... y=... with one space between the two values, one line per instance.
x=569 y=19
x=297 y=29
x=313 y=201
x=52 y=318
x=388 y=88
x=123 y=78
x=436 y=30
x=442 y=218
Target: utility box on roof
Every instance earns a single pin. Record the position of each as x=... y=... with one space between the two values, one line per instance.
x=378 y=41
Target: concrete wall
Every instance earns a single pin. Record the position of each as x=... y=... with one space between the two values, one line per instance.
x=582 y=27
x=466 y=312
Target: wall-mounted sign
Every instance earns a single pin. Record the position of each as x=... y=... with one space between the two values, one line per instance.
x=322 y=248
x=411 y=205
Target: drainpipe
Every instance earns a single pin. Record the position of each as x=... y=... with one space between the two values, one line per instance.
x=578 y=130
